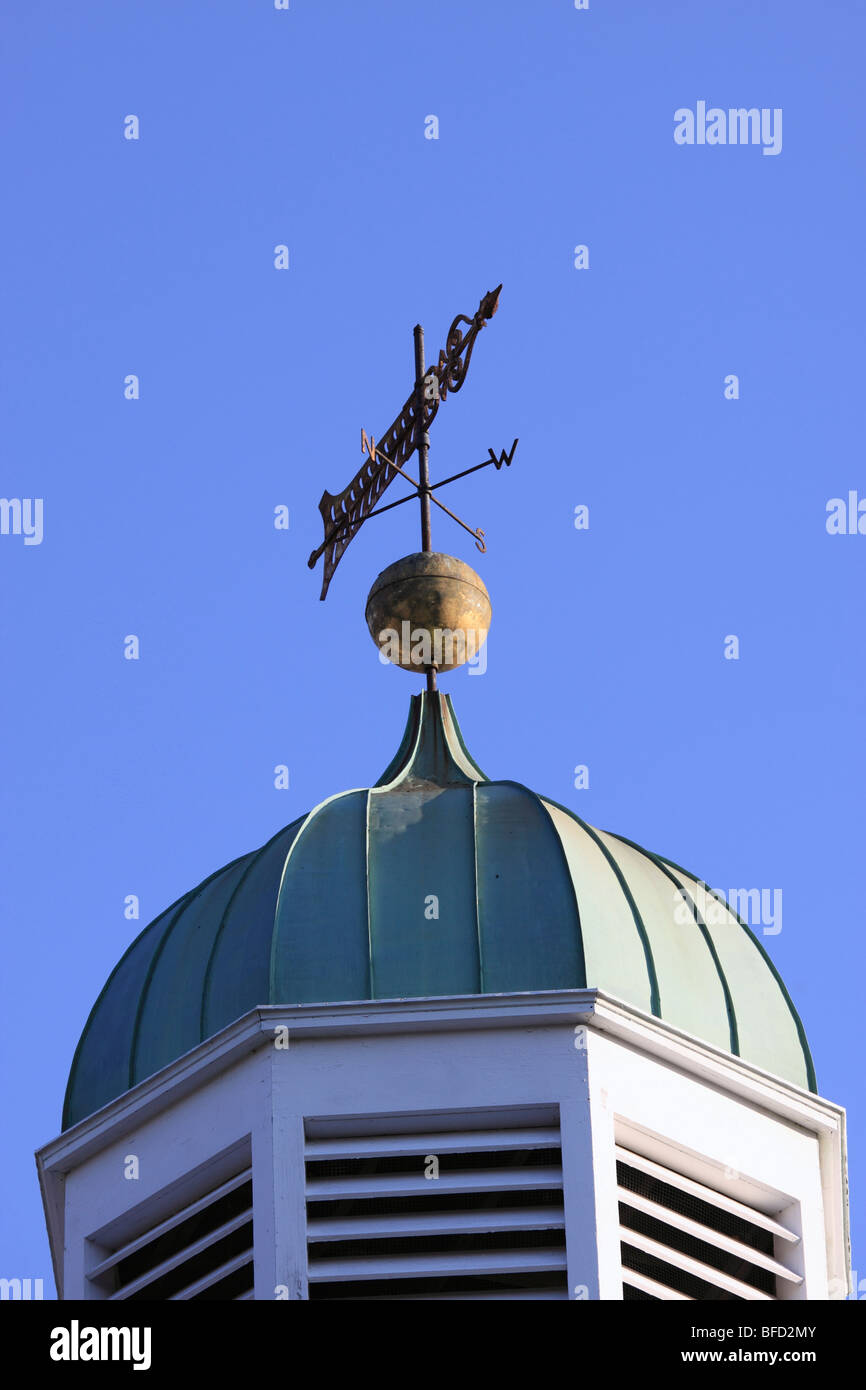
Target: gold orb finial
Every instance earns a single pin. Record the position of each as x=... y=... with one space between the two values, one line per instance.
x=428 y=611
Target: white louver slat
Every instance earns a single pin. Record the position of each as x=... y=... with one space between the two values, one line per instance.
x=413 y=1185
x=192 y=1209
x=698 y=1189
x=183 y=1256
x=214 y=1276
x=473 y=1141
x=681 y=1239
x=503 y=1295
x=701 y=1232
x=476 y=1262
x=203 y=1250
x=490 y=1225
x=690 y=1266
x=654 y=1289
x=434 y=1222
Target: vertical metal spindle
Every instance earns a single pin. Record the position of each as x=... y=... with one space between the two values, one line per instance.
x=423 y=469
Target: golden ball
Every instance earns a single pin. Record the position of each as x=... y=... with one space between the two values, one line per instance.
x=428 y=610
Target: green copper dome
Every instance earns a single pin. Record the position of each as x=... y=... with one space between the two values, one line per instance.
x=436 y=881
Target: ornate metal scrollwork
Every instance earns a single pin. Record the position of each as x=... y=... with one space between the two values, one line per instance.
x=344 y=513
x=455 y=356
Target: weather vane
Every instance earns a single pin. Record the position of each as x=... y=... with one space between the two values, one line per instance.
x=345 y=513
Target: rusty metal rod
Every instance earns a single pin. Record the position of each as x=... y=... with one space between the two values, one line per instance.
x=477 y=536
x=389 y=506
x=423 y=469
x=423 y=443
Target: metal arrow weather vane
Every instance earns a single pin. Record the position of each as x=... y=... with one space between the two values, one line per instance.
x=345 y=513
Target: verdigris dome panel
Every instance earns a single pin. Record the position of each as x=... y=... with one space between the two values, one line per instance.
x=436 y=881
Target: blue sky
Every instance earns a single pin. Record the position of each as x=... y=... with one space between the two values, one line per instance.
x=707 y=515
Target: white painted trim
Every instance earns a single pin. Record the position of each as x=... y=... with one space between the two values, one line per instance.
x=599 y=1012
x=548 y=1008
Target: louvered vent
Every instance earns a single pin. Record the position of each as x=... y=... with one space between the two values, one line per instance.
x=490 y=1226
x=202 y=1251
x=682 y=1240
